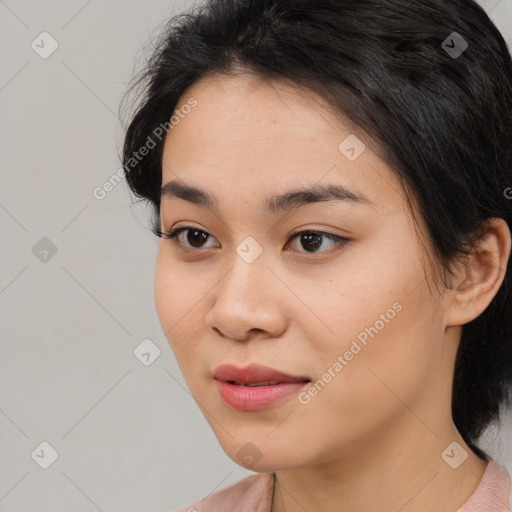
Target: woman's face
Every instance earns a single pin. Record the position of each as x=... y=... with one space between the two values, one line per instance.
x=354 y=317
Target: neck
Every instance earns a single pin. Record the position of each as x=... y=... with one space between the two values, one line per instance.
x=384 y=477
x=398 y=467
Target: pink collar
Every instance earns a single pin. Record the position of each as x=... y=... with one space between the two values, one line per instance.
x=492 y=494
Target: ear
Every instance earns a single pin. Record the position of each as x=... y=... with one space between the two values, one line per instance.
x=479 y=278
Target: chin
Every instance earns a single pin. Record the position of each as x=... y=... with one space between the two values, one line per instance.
x=262 y=457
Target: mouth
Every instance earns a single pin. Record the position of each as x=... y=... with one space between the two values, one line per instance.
x=255 y=375
x=259 y=384
x=255 y=387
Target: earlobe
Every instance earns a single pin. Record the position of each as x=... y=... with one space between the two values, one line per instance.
x=482 y=273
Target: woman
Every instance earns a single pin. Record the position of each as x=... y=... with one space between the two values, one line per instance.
x=331 y=185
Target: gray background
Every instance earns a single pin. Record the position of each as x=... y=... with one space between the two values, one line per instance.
x=129 y=437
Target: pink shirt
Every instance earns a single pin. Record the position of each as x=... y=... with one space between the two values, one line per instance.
x=254 y=494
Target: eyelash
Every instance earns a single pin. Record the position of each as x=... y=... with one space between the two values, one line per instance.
x=340 y=240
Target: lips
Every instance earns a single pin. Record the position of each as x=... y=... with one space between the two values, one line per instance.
x=255 y=387
x=254 y=375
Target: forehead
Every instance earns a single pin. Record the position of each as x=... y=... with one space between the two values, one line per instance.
x=247 y=104
x=267 y=136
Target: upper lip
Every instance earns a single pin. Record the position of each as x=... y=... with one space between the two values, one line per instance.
x=253 y=373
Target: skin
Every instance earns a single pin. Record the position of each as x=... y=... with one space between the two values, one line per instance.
x=372 y=438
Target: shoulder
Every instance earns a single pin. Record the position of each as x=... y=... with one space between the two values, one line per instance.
x=252 y=494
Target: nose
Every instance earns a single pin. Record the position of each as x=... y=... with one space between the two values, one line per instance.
x=250 y=300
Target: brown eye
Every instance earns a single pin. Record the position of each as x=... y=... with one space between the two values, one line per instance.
x=195 y=237
x=313 y=240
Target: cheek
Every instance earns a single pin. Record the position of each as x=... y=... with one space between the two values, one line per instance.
x=165 y=294
x=177 y=290
x=180 y=300
x=171 y=301
x=363 y=301
x=384 y=336
x=389 y=349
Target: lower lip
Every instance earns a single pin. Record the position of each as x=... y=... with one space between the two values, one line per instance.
x=247 y=398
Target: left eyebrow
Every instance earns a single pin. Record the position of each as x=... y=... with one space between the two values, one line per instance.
x=272 y=205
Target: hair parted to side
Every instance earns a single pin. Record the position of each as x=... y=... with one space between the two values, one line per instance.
x=443 y=124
